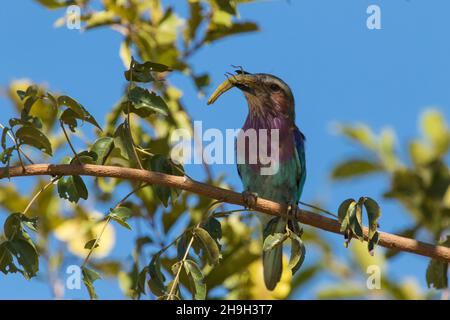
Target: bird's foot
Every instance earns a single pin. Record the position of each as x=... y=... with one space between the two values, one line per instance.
x=250 y=199
x=293 y=211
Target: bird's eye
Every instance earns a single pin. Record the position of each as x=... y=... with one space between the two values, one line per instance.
x=274 y=87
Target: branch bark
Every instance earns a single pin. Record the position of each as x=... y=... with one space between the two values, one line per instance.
x=387 y=240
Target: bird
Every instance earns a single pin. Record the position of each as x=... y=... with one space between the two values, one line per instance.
x=270 y=106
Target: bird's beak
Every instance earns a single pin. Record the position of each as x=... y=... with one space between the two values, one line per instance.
x=245 y=82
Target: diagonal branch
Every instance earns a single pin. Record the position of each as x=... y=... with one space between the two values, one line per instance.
x=386 y=239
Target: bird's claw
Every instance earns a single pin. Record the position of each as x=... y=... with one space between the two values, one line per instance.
x=250 y=199
x=293 y=211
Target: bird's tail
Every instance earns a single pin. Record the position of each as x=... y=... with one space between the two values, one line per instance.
x=273 y=259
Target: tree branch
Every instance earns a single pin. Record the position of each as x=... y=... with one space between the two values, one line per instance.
x=387 y=240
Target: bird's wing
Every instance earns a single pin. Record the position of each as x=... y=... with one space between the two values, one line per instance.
x=299 y=140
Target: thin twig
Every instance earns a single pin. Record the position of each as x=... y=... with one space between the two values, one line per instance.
x=188 y=248
x=318 y=209
x=18 y=151
x=108 y=219
x=227 y=213
x=70 y=143
x=39 y=193
x=177 y=276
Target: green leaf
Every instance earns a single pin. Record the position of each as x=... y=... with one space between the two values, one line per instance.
x=420 y=153
x=209 y=245
x=342 y=213
x=89 y=277
x=347 y=217
x=102 y=147
x=77 y=111
x=125 y=51
x=123 y=141
x=373 y=214
x=182 y=245
x=13 y=226
x=298 y=252
x=214 y=228
x=360 y=134
x=34 y=137
x=194 y=21
x=270 y=227
x=69 y=117
x=5 y=158
x=6 y=259
x=355 y=220
x=216 y=32
x=121 y=215
x=55 y=4
x=144 y=103
x=85 y=157
x=196 y=280
x=53 y=101
x=274 y=240
x=202 y=81
x=143 y=72
x=4 y=134
x=437 y=271
x=437 y=274
x=26 y=255
x=353 y=168
x=156 y=282
x=22 y=94
x=160 y=163
x=72 y=188
x=436 y=131
x=140 y=282
x=101 y=18
x=373 y=242
x=176 y=267
x=29 y=121
x=27 y=105
x=89 y=245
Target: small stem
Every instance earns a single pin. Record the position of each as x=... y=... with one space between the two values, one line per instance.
x=177 y=276
x=173 y=166
x=318 y=209
x=70 y=143
x=160 y=252
x=108 y=219
x=128 y=125
x=226 y=213
x=18 y=151
x=144 y=151
x=186 y=253
x=39 y=193
x=96 y=242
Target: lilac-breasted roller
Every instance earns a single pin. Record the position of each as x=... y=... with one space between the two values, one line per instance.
x=270 y=106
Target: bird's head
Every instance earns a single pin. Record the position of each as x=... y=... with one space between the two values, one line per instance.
x=266 y=94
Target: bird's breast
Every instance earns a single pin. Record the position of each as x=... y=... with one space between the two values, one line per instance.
x=264 y=139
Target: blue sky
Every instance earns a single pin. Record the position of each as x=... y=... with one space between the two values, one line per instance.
x=338 y=70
